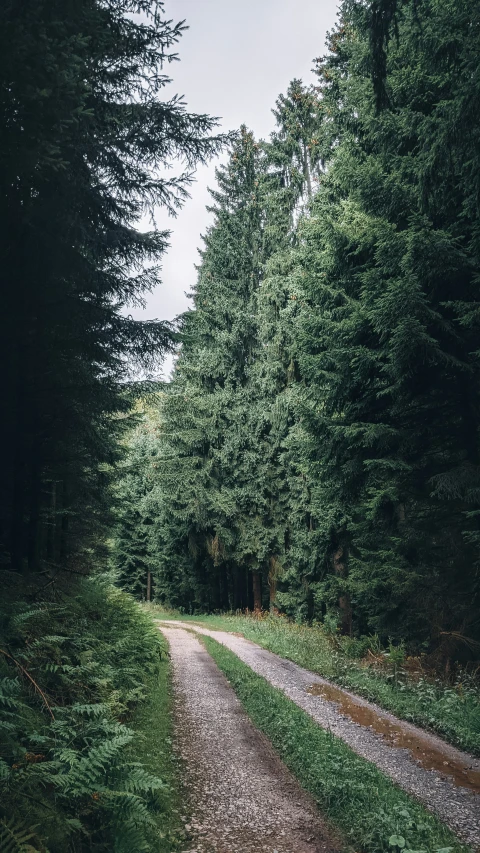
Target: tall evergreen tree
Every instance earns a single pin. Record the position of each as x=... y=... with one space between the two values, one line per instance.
x=389 y=261
x=293 y=166
x=206 y=470
x=224 y=420
x=85 y=140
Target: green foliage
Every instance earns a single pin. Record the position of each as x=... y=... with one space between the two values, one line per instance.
x=78 y=664
x=203 y=483
x=222 y=515
x=321 y=432
x=87 y=144
x=134 y=556
x=387 y=346
x=152 y=721
x=14 y=838
x=372 y=812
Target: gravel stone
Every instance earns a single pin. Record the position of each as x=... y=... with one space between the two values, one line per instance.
x=241 y=798
x=458 y=807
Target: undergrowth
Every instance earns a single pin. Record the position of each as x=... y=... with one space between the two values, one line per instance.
x=451 y=710
x=373 y=814
x=152 y=722
x=75 y=664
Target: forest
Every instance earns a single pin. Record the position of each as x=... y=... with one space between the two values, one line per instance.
x=317 y=450
x=314 y=462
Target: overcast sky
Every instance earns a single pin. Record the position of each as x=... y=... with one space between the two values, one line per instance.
x=235 y=59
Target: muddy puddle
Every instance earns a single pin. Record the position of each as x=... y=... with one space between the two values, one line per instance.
x=421 y=748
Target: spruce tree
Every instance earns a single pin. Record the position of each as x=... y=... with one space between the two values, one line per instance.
x=293 y=166
x=85 y=142
x=389 y=260
x=207 y=466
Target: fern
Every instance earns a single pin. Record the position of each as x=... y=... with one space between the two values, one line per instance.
x=15 y=838
x=69 y=773
x=139 y=781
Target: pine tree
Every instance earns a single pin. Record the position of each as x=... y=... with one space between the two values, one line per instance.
x=207 y=470
x=85 y=141
x=389 y=260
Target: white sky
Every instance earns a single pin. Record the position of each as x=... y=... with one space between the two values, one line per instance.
x=235 y=59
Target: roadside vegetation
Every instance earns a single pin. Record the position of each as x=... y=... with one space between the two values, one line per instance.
x=400 y=684
x=373 y=814
x=84 y=738
x=152 y=747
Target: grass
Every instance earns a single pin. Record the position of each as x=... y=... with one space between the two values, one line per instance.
x=152 y=722
x=372 y=813
x=453 y=711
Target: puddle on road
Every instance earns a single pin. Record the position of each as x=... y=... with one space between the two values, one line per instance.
x=420 y=748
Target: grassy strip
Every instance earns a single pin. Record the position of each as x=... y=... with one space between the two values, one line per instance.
x=452 y=712
x=152 y=723
x=371 y=811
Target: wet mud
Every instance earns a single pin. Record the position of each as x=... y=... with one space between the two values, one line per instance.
x=396 y=735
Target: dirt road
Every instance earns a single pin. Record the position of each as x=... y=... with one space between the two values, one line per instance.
x=442 y=777
x=240 y=796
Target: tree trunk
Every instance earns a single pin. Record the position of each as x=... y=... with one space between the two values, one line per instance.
x=240 y=589
x=257 y=592
x=344 y=599
x=18 y=509
x=149 y=586
x=52 y=523
x=64 y=525
x=273 y=594
x=34 y=529
x=272 y=582
x=19 y=474
x=34 y=524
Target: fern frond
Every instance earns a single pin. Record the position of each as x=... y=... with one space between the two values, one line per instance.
x=139 y=781
x=14 y=838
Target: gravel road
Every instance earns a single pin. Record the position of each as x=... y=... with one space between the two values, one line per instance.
x=240 y=796
x=457 y=806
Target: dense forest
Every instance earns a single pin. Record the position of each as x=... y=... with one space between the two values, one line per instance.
x=316 y=453
x=317 y=449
